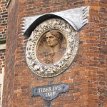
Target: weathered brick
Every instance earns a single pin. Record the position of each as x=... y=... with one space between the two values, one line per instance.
x=87 y=74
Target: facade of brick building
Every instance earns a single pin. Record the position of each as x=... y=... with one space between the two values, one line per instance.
x=3 y=33
x=86 y=76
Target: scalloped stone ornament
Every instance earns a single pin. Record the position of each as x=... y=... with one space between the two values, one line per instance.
x=37 y=53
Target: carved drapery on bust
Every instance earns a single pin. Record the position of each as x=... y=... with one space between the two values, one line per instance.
x=51 y=47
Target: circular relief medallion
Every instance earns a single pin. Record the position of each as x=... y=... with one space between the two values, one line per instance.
x=51 y=47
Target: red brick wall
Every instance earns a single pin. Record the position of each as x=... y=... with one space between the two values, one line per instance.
x=3 y=33
x=3 y=19
x=98 y=66
x=10 y=55
x=87 y=74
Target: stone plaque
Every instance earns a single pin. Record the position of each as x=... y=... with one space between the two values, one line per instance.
x=51 y=47
x=49 y=92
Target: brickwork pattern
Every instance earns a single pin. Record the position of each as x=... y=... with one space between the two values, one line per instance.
x=87 y=74
x=3 y=33
x=9 y=67
x=97 y=73
x=3 y=19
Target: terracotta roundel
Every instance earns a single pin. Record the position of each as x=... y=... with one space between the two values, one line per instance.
x=51 y=47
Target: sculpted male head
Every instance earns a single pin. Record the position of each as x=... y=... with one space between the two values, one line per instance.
x=51 y=47
x=53 y=38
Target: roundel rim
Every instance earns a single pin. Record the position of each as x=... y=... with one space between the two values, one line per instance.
x=60 y=66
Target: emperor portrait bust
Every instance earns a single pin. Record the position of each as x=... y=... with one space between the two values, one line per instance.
x=53 y=42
